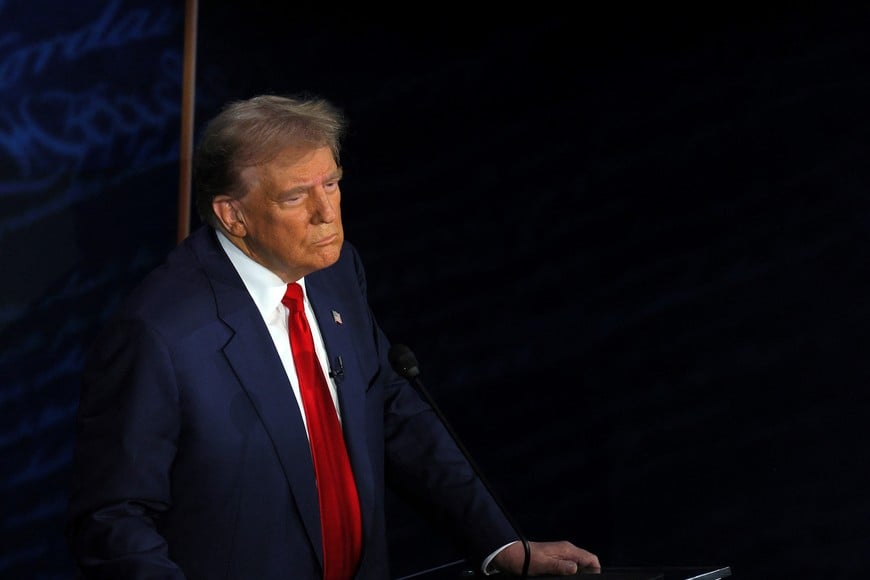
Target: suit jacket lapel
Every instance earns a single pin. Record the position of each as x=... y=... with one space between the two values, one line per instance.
x=252 y=356
x=338 y=339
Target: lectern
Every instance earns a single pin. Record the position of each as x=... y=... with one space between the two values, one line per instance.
x=460 y=570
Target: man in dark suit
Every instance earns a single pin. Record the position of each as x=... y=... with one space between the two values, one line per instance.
x=193 y=457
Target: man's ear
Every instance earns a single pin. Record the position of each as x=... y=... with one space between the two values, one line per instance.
x=229 y=214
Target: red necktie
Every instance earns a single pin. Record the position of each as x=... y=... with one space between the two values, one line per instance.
x=339 y=505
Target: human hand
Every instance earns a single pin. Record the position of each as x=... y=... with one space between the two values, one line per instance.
x=554 y=558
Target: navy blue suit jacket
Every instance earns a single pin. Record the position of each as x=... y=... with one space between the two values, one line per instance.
x=191 y=456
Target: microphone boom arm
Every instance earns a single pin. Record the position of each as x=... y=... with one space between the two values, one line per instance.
x=404 y=363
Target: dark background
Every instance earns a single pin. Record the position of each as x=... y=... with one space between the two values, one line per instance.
x=628 y=246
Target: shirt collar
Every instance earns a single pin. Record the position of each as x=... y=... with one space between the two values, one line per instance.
x=265 y=288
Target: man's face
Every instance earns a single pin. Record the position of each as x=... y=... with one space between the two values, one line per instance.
x=290 y=219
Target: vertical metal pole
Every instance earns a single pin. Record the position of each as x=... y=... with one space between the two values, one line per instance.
x=188 y=90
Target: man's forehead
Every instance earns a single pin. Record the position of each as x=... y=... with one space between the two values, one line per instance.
x=297 y=153
x=304 y=164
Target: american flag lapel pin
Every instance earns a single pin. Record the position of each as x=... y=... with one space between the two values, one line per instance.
x=336 y=316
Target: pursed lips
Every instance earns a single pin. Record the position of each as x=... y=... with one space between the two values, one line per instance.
x=327 y=240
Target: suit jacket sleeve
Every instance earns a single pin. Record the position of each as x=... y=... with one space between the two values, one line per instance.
x=425 y=465
x=127 y=427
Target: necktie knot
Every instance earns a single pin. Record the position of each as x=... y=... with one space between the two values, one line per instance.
x=293 y=298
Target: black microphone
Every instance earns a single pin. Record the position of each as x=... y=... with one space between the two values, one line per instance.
x=404 y=363
x=338 y=372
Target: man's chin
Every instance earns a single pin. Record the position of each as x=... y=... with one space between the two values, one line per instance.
x=329 y=255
